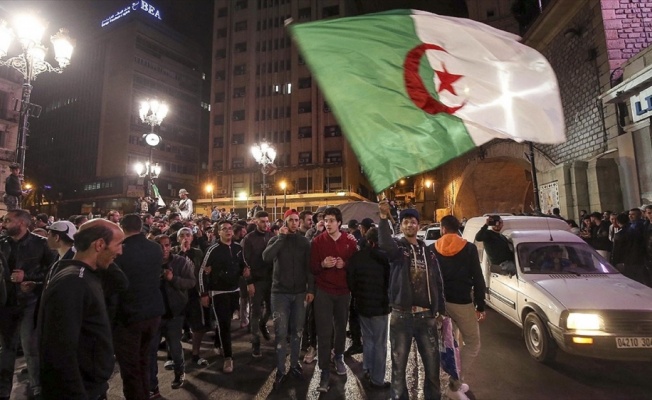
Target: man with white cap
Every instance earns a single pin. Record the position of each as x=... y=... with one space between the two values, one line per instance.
x=61 y=239
x=185 y=205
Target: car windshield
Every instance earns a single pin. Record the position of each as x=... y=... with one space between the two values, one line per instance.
x=433 y=234
x=561 y=258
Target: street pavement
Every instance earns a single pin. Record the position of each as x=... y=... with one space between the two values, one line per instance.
x=503 y=370
x=253 y=377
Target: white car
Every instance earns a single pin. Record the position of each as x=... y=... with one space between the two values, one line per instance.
x=565 y=295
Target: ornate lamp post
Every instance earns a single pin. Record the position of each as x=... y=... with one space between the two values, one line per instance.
x=284 y=186
x=31 y=62
x=264 y=154
x=152 y=112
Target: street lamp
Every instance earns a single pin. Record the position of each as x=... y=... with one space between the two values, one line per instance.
x=152 y=112
x=31 y=62
x=264 y=154
x=284 y=186
x=209 y=189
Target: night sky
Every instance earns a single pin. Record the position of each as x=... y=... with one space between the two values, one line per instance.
x=191 y=18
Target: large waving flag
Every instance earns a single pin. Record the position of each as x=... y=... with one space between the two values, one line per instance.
x=412 y=90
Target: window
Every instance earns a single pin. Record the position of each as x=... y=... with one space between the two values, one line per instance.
x=491 y=13
x=332 y=183
x=301 y=61
x=305 y=157
x=238 y=115
x=221 y=33
x=220 y=75
x=218 y=120
x=237 y=163
x=240 y=26
x=305 y=83
x=327 y=108
x=305 y=107
x=304 y=185
x=218 y=142
x=305 y=132
x=220 y=54
x=241 y=5
x=240 y=47
x=332 y=131
x=331 y=157
x=222 y=12
x=219 y=97
x=304 y=14
x=238 y=138
x=240 y=69
x=218 y=165
x=239 y=91
x=330 y=11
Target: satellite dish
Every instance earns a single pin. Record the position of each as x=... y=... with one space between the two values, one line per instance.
x=269 y=169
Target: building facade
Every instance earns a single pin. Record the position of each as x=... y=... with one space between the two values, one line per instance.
x=89 y=136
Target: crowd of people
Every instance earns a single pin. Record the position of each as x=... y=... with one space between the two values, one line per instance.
x=80 y=294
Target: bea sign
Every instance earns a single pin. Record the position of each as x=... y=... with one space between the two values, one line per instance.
x=641 y=105
x=141 y=5
x=149 y=9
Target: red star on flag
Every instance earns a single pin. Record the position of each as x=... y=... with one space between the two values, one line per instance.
x=446 y=80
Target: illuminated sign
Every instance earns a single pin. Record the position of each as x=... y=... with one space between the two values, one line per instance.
x=141 y=5
x=641 y=105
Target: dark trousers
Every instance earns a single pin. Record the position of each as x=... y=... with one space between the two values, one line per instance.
x=170 y=329
x=309 y=331
x=17 y=324
x=224 y=305
x=331 y=318
x=259 y=318
x=131 y=345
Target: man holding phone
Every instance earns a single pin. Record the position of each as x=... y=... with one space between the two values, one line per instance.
x=292 y=289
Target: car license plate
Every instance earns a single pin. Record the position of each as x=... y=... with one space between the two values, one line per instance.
x=634 y=342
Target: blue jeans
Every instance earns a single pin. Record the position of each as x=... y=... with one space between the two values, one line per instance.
x=170 y=329
x=288 y=309
x=374 y=346
x=17 y=323
x=403 y=326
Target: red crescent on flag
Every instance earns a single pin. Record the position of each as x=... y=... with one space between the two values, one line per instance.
x=414 y=84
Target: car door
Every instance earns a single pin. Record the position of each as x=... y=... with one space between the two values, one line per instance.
x=503 y=291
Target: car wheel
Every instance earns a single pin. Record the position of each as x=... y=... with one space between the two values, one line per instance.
x=537 y=339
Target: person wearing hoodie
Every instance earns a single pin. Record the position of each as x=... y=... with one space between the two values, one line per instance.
x=464 y=287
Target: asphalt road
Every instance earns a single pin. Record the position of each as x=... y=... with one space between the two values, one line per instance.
x=504 y=370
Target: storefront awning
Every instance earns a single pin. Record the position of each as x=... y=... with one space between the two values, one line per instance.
x=639 y=81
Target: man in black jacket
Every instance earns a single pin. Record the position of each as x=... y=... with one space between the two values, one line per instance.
x=495 y=244
x=27 y=258
x=292 y=288
x=177 y=277
x=368 y=278
x=139 y=307
x=74 y=329
x=13 y=188
x=460 y=269
x=260 y=281
x=222 y=268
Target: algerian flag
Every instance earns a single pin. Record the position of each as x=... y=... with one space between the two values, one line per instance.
x=412 y=90
x=161 y=203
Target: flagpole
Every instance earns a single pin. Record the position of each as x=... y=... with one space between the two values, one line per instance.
x=535 y=184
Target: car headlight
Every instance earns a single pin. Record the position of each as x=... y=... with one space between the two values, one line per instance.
x=581 y=321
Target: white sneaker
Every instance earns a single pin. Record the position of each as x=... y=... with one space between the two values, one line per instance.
x=228 y=365
x=310 y=355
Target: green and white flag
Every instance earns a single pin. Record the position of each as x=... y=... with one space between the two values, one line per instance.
x=413 y=90
x=160 y=201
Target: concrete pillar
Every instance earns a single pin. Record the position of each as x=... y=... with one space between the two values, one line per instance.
x=604 y=193
x=579 y=188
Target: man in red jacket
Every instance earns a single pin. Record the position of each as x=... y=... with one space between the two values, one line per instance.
x=328 y=257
